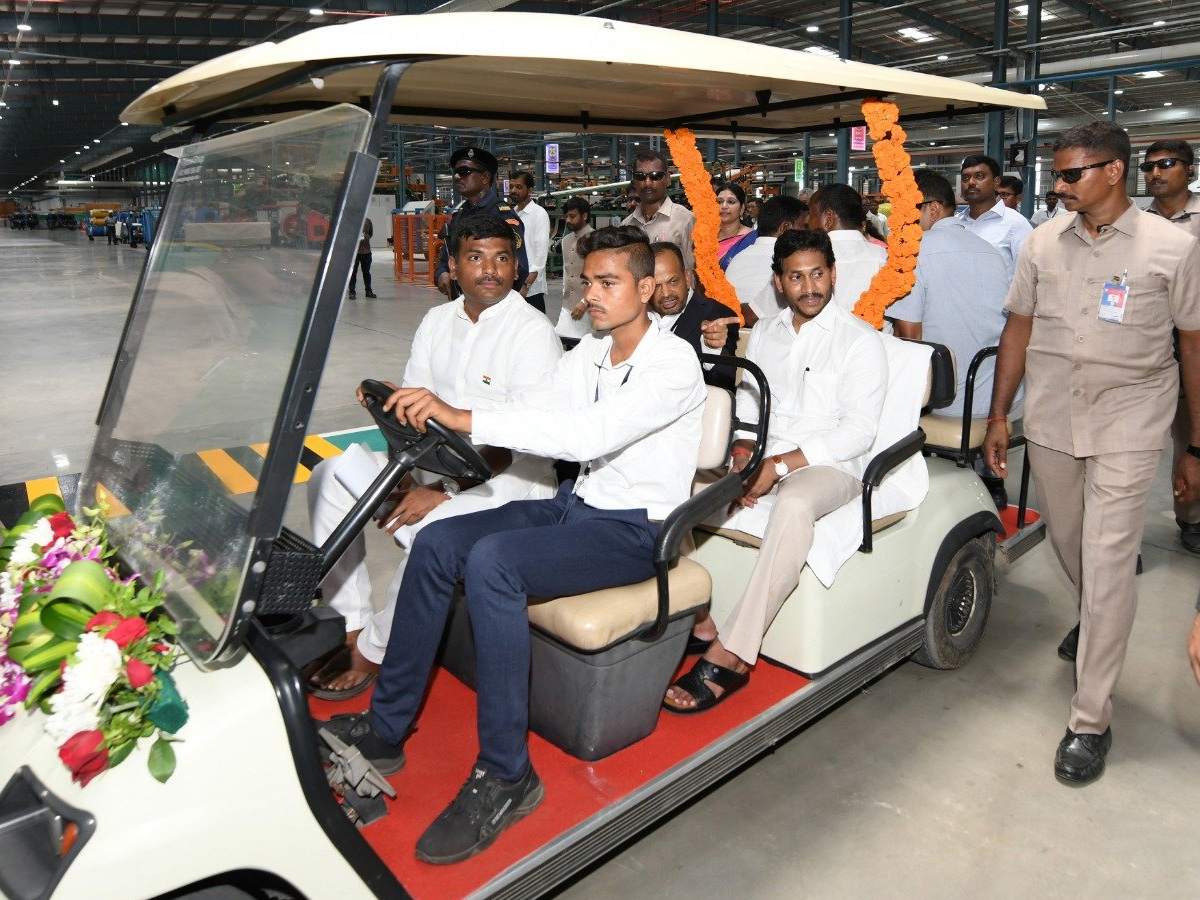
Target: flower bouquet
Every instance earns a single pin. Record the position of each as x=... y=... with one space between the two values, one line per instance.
x=91 y=647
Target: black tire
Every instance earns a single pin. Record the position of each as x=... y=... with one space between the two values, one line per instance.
x=958 y=614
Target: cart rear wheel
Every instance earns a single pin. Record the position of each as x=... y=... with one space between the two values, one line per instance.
x=959 y=612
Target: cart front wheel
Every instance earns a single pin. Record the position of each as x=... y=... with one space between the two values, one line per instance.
x=959 y=612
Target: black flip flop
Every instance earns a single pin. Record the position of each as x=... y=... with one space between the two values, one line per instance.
x=696 y=646
x=336 y=665
x=694 y=683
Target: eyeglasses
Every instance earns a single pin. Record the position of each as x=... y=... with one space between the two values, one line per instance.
x=466 y=172
x=1070 y=176
x=925 y=203
x=1169 y=162
x=653 y=176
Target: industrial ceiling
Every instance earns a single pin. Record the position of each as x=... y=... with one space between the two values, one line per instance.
x=68 y=68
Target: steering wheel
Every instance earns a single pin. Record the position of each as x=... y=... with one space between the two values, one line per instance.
x=452 y=455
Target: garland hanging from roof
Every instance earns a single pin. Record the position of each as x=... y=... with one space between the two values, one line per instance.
x=897 y=277
x=697 y=184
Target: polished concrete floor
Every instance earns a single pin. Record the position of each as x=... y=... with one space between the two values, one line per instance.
x=925 y=785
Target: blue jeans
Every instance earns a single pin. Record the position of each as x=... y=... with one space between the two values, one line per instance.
x=539 y=548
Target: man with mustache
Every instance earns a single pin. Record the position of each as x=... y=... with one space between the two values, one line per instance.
x=657 y=214
x=1169 y=166
x=827 y=372
x=627 y=406
x=481 y=348
x=986 y=215
x=1052 y=210
x=474 y=172
x=1091 y=309
x=682 y=309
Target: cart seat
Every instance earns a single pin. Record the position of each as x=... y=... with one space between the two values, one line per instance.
x=960 y=438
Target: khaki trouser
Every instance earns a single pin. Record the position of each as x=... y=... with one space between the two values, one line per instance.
x=1095 y=510
x=1181 y=432
x=801 y=499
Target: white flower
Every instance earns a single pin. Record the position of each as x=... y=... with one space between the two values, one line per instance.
x=86 y=684
x=10 y=597
x=39 y=535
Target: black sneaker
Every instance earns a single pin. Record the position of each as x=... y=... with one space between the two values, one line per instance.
x=351 y=294
x=371 y=295
x=484 y=807
x=1189 y=535
x=996 y=488
x=356 y=730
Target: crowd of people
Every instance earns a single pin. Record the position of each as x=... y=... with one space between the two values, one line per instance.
x=1096 y=313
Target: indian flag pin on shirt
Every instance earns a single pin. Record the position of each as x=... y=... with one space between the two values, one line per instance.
x=487 y=379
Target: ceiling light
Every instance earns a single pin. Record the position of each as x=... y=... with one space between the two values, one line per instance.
x=831 y=134
x=812 y=28
x=95 y=140
x=933 y=143
x=1159 y=23
x=1118 y=92
x=54 y=103
x=77 y=153
x=24 y=27
x=916 y=35
x=943 y=127
x=62 y=160
x=13 y=62
x=820 y=51
x=1168 y=103
x=1022 y=12
x=942 y=57
x=1153 y=73
x=316 y=12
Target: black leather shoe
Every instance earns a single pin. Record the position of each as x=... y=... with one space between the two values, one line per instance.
x=1189 y=536
x=1080 y=757
x=995 y=487
x=1070 y=645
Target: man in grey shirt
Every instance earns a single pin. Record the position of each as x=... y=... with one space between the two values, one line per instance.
x=958 y=299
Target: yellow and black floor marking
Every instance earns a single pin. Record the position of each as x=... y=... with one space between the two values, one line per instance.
x=238 y=468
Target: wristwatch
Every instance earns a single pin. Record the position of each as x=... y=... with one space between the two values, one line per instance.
x=450 y=487
x=781 y=468
x=1193 y=450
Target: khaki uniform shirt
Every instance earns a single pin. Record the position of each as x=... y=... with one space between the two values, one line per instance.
x=1187 y=218
x=671 y=222
x=1092 y=386
x=572 y=267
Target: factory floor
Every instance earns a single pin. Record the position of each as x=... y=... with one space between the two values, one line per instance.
x=926 y=784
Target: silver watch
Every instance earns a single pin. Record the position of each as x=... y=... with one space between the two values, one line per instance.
x=450 y=487
x=781 y=468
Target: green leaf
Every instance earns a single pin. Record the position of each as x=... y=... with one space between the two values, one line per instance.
x=65 y=618
x=162 y=760
x=116 y=755
x=84 y=581
x=27 y=625
x=17 y=651
x=48 y=504
x=42 y=686
x=47 y=656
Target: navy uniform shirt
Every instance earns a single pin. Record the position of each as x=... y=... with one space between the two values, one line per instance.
x=493 y=203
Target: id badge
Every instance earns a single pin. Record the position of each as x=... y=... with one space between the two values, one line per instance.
x=1114 y=297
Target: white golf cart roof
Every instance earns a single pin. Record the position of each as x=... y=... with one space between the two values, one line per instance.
x=555 y=73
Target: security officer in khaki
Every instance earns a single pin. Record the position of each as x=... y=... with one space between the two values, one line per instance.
x=474 y=171
x=1091 y=308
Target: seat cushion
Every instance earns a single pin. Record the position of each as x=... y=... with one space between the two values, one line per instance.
x=599 y=619
x=750 y=540
x=946 y=431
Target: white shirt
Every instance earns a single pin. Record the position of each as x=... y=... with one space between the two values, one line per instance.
x=1045 y=215
x=1003 y=228
x=856 y=260
x=472 y=364
x=670 y=222
x=879 y=220
x=537 y=243
x=827 y=380
x=635 y=427
x=750 y=271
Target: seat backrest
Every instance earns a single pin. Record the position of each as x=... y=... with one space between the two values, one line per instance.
x=942 y=382
x=716 y=428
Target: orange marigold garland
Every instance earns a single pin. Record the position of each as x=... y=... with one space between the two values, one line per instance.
x=897 y=277
x=697 y=184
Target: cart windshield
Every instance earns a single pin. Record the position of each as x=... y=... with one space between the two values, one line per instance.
x=207 y=356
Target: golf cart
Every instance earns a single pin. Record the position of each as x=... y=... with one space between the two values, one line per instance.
x=224 y=347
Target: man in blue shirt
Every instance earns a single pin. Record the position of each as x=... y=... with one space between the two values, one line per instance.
x=958 y=299
x=986 y=215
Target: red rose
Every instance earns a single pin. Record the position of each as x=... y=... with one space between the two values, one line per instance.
x=102 y=619
x=61 y=524
x=139 y=673
x=126 y=631
x=84 y=756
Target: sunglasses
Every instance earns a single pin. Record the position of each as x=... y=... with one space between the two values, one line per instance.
x=925 y=203
x=1169 y=163
x=1070 y=176
x=466 y=172
x=653 y=176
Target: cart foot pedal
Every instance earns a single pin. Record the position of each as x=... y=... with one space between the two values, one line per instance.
x=359 y=783
x=1016 y=545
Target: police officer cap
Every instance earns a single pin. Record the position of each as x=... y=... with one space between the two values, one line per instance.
x=476 y=155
